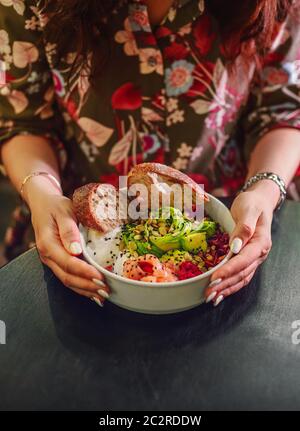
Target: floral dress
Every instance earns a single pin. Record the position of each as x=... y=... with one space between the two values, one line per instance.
x=165 y=94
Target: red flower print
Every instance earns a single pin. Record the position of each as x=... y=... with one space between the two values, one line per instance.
x=8 y=77
x=273 y=58
x=162 y=32
x=274 y=76
x=159 y=156
x=151 y=144
x=71 y=108
x=140 y=18
x=148 y=143
x=146 y=39
x=59 y=83
x=176 y=51
x=232 y=185
x=201 y=179
x=127 y=97
x=112 y=179
x=159 y=101
x=203 y=34
x=179 y=78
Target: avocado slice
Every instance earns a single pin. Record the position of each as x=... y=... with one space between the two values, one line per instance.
x=147 y=248
x=194 y=242
x=165 y=243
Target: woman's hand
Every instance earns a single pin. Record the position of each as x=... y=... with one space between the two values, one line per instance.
x=250 y=241
x=58 y=241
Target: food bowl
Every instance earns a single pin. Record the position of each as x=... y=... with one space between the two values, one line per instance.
x=163 y=298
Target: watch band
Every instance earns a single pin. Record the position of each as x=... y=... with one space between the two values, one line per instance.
x=268 y=176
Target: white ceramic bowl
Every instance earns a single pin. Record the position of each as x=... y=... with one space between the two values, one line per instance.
x=163 y=298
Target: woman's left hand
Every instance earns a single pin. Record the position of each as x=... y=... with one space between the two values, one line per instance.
x=250 y=242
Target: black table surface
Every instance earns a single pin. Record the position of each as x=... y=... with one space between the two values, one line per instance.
x=65 y=353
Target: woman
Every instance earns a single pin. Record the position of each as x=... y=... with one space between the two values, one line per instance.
x=208 y=88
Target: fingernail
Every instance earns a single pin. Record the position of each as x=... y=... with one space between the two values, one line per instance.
x=75 y=248
x=211 y=297
x=98 y=282
x=97 y=301
x=219 y=300
x=215 y=282
x=103 y=293
x=236 y=245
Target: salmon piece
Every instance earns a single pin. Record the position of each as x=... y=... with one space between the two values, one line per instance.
x=147 y=268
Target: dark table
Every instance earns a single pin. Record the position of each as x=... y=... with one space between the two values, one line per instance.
x=65 y=353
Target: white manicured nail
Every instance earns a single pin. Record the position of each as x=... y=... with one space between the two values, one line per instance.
x=215 y=282
x=211 y=297
x=98 y=282
x=236 y=245
x=103 y=293
x=98 y=301
x=75 y=248
x=219 y=300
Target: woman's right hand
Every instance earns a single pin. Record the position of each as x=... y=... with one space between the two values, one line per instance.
x=58 y=241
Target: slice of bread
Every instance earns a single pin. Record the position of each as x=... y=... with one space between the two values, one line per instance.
x=96 y=206
x=156 y=176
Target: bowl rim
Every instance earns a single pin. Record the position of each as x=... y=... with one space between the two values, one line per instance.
x=144 y=284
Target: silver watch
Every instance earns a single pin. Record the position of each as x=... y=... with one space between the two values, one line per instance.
x=268 y=176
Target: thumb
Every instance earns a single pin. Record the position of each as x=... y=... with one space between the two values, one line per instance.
x=246 y=222
x=69 y=235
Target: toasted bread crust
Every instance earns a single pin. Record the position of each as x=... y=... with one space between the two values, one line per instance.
x=166 y=173
x=85 y=202
x=83 y=205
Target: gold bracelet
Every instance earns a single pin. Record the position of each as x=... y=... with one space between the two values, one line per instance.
x=36 y=174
